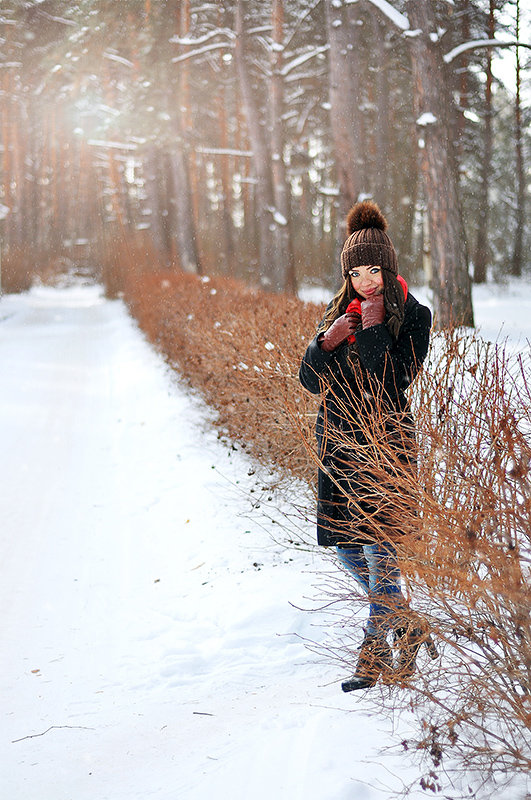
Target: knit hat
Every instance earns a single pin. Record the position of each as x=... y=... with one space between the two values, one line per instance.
x=368 y=242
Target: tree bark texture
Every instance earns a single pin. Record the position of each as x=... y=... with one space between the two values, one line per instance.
x=184 y=197
x=225 y=172
x=281 y=186
x=382 y=101
x=481 y=257
x=344 y=96
x=516 y=262
x=451 y=281
x=185 y=227
x=271 y=272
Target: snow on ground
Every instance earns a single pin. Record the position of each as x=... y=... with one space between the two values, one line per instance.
x=152 y=634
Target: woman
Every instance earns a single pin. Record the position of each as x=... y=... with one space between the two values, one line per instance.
x=367 y=351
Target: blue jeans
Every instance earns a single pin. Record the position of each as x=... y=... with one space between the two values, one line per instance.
x=375 y=568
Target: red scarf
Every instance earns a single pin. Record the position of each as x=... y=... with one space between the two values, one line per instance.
x=354 y=307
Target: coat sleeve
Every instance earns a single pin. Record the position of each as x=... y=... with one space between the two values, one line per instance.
x=394 y=364
x=315 y=365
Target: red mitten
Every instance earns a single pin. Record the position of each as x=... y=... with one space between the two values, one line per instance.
x=337 y=332
x=354 y=308
x=372 y=311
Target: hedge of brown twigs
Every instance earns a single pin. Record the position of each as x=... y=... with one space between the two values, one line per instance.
x=241 y=349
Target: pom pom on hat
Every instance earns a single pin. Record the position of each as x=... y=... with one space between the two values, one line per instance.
x=365 y=215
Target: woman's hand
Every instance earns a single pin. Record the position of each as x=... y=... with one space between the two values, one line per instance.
x=340 y=330
x=372 y=311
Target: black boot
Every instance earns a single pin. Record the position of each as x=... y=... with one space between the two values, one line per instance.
x=410 y=633
x=374 y=659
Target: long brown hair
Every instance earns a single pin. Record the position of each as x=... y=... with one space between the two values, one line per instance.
x=338 y=305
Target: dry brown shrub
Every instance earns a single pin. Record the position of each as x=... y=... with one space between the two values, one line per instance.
x=470 y=563
x=21 y=267
x=18 y=269
x=126 y=259
x=241 y=349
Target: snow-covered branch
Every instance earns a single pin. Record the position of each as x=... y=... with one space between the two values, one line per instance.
x=328 y=191
x=303 y=58
x=187 y=41
x=278 y=217
x=119 y=59
x=193 y=53
x=111 y=144
x=259 y=29
x=473 y=44
x=301 y=76
x=60 y=20
x=396 y=17
x=223 y=151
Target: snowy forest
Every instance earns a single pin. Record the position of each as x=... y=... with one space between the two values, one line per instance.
x=231 y=137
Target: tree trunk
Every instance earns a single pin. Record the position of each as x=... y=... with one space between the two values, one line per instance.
x=516 y=262
x=271 y=270
x=229 y=250
x=226 y=170
x=482 y=246
x=53 y=216
x=464 y=10
x=451 y=281
x=184 y=227
x=281 y=186
x=345 y=116
x=152 y=169
x=8 y=160
x=382 y=100
x=184 y=198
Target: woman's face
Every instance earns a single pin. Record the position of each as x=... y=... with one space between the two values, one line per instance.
x=367 y=280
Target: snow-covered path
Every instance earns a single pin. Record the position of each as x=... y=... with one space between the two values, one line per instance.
x=150 y=640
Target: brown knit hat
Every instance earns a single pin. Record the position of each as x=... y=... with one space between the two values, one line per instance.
x=367 y=242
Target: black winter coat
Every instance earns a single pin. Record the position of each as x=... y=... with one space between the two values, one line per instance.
x=361 y=386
